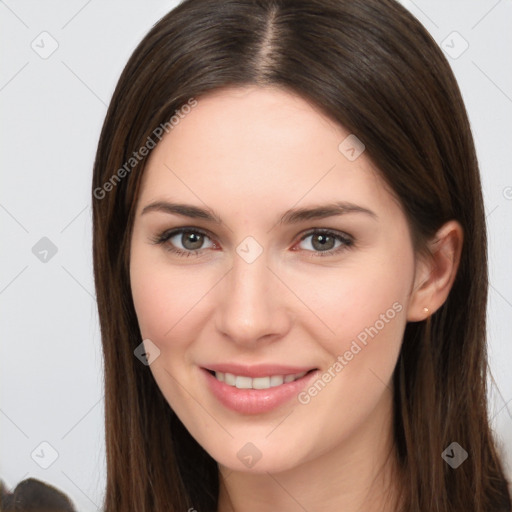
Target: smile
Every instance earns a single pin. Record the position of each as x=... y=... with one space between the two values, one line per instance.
x=255 y=394
x=244 y=382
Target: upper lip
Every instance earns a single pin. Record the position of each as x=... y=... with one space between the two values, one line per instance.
x=257 y=370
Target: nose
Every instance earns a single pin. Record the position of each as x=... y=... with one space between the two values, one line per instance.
x=252 y=303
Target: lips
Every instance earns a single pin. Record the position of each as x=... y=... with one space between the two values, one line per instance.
x=254 y=399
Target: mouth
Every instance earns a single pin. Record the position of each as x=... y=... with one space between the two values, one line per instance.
x=259 y=394
x=264 y=382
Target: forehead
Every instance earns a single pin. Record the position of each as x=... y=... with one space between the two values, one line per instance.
x=259 y=147
x=257 y=121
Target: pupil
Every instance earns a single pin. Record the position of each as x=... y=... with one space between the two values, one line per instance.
x=193 y=238
x=322 y=240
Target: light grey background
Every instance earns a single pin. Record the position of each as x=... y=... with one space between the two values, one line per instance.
x=52 y=110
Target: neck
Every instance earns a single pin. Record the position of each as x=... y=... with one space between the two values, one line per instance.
x=360 y=473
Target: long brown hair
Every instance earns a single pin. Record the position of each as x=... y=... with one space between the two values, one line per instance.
x=373 y=68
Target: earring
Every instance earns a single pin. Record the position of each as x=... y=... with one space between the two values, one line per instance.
x=425 y=310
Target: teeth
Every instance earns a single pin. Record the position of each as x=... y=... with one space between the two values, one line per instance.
x=276 y=380
x=242 y=382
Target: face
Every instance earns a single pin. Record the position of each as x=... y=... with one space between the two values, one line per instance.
x=258 y=289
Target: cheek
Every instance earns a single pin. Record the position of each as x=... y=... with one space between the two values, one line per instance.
x=150 y=297
x=344 y=301
x=359 y=313
x=166 y=298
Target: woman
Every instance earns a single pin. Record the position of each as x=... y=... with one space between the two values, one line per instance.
x=290 y=264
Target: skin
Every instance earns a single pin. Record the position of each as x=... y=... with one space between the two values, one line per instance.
x=250 y=154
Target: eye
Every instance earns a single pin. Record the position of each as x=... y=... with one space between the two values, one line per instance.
x=190 y=239
x=323 y=242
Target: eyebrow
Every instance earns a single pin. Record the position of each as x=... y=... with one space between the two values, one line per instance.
x=292 y=216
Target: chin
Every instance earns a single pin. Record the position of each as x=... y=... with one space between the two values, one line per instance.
x=248 y=458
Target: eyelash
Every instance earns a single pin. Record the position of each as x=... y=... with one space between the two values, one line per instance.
x=347 y=242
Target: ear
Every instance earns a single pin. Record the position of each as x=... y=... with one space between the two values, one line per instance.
x=435 y=274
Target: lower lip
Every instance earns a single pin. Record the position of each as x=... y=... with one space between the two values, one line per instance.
x=255 y=401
